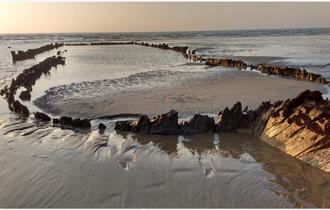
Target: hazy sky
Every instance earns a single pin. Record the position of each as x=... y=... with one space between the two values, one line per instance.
x=132 y=17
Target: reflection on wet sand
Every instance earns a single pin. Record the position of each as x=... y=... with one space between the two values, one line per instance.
x=302 y=182
x=222 y=170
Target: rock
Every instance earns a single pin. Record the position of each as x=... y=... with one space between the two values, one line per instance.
x=66 y=121
x=290 y=105
x=182 y=50
x=165 y=124
x=300 y=127
x=124 y=125
x=322 y=80
x=42 y=117
x=56 y=121
x=226 y=62
x=3 y=91
x=102 y=127
x=19 y=108
x=141 y=125
x=84 y=123
x=30 y=53
x=257 y=119
x=76 y=123
x=25 y=95
x=198 y=124
x=246 y=109
x=24 y=112
x=230 y=119
x=27 y=79
x=291 y=72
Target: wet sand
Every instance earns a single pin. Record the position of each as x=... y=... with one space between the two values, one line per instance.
x=48 y=167
x=204 y=95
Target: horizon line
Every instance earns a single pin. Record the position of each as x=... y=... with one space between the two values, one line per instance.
x=171 y=31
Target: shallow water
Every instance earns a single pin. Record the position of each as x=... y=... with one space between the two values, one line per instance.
x=45 y=166
x=134 y=79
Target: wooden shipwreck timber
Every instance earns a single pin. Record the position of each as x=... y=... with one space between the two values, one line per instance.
x=31 y=53
x=298 y=126
x=27 y=79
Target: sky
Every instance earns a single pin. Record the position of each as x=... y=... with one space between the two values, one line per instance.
x=61 y=17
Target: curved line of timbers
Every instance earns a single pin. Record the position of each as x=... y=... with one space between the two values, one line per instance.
x=27 y=80
x=297 y=73
x=298 y=126
x=285 y=71
x=29 y=76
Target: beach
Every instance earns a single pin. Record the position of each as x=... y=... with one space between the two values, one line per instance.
x=66 y=165
x=66 y=169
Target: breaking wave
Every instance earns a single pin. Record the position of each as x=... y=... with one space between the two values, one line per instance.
x=141 y=80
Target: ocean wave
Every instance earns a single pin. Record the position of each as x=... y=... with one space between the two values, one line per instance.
x=141 y=80
x=304 y=62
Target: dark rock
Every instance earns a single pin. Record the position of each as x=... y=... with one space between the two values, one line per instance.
x=84 y=123
x=290 y=105
x=124 y=125
x=66 y=121
x=56 y=121
x=142 y=125
x=298 y=126
x=25 y=95
x=24 y=111
x=76 y=123
x=246 y=109
x=19 y=108
x=291 y=72
x=30 y=53
x=42 y=117
x=165 y=124
x=3 y=91
x=225 y=62
x=230 y=119
x=27 y=79
x=102 y=127
x=198 y=124
x=182 y=50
